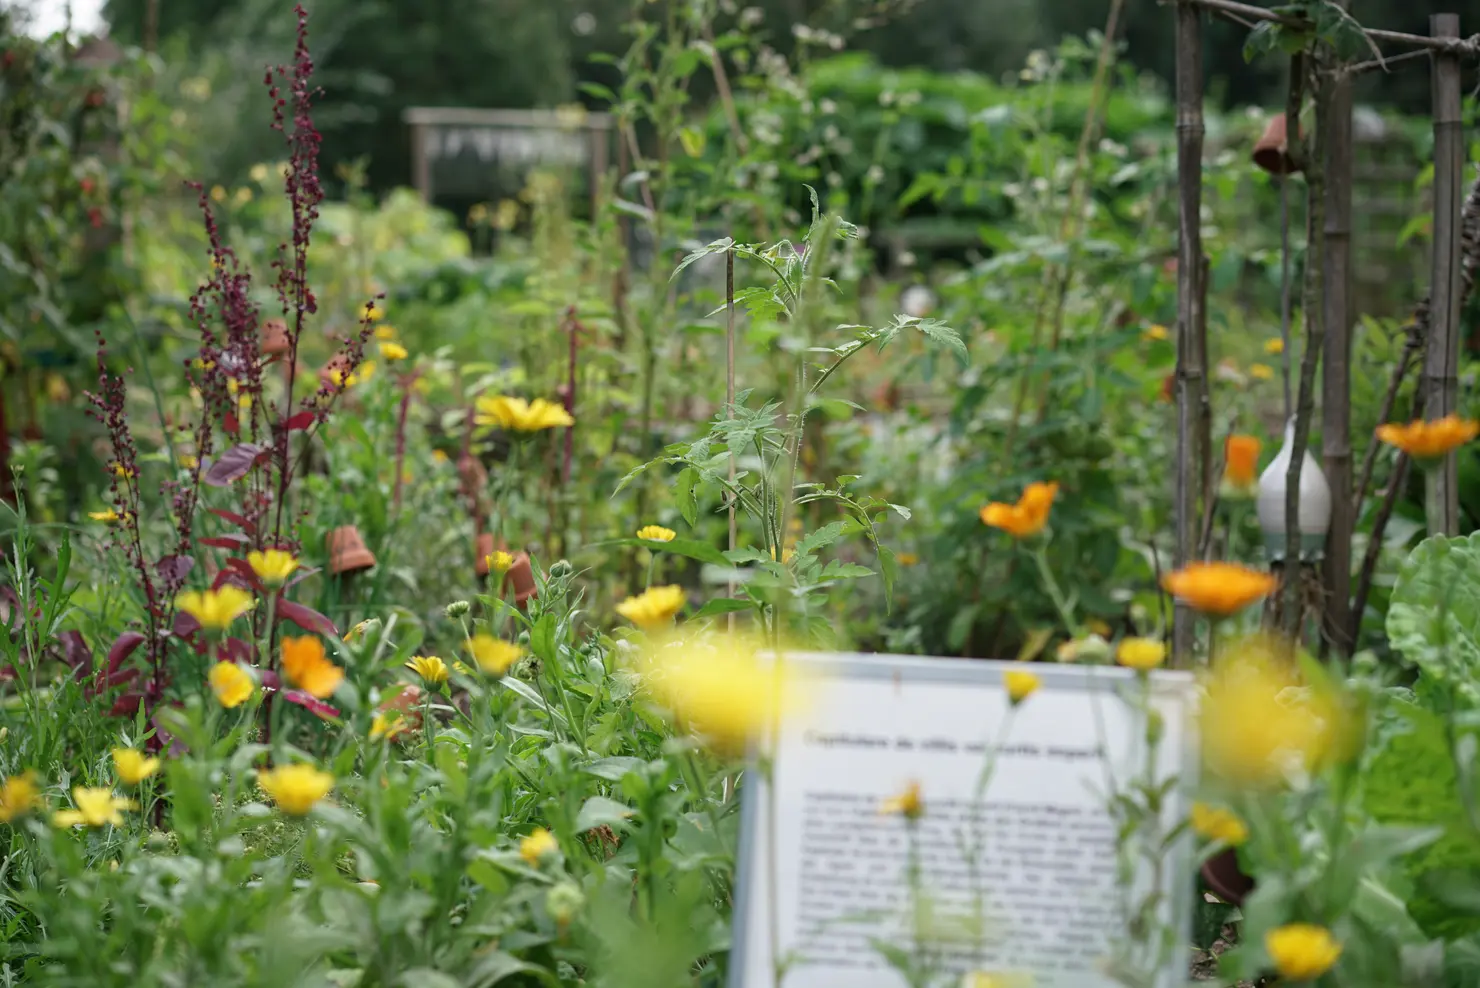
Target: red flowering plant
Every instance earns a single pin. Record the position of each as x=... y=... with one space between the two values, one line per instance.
x=242 y=444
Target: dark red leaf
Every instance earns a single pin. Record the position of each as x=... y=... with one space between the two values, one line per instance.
x=234 y=464
x=119 y=678
x=124 y=645
x=126 y=705
x=230 y=424
x=184 y=625
x=243 y=569
x=174 y=568
x=301 y=574
x=317 y=707
x=236 y=650
x=231 y=540
x=306 y=618
x=300 y=421
x=271 y=680
x=229 y=576
x=75 y=651
x=240 y=521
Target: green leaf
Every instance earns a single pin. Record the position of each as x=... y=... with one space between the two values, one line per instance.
x=684 y=490
x=1434 y=617
x=823 y=537
x=529 y=693
x=542 y=638
x=425 y=977
x=612 y=769
x=599 y=811
x=722 y=605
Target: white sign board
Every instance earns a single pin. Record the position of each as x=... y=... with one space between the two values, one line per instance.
x=1042 y=897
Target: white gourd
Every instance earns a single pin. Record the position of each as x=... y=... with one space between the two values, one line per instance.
x=1315 y=502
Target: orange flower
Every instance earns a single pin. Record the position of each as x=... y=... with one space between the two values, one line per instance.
x=307 y=668
x=1241 y=461
x=1219 y=589
x=1028 y=516
x=1429 y=440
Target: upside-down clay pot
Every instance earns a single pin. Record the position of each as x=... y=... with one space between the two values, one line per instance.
x=275 y=342
x=1222 y=874
x=347 y=551
x=520 y=579
x=407 y=704
x=1272 y=151
x=484 y=545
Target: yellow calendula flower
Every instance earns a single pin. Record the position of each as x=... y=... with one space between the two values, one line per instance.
x=907 y=559
x=461 y=668
x=273 y=567
x=1020 y=685
x=132 y=766
x=538 y=846
x=1274 y=347
x=308 y=668
x=907 y=803
x=430 y=668
x=374 y=311
x=231 y=684
x=19 y=795
x=656 y=533
x=1141 y=654
x=106 y=516
x=654 y=608
x=518 y=415
x=95 y=807
x=1155 y=332
x=188 y=462
x=215 y=609
x=493 y=655
x=499 y=562
x=1261 y=372
x=1302 y=951
x=386 y=726
x=1216 y=823
x=391 y=352
x=295 y=789
x=1026 y=518
x=1219 y=589
x=385 y=331
x=1429 y=440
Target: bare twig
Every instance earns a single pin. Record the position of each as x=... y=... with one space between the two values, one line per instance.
x=1452 y=45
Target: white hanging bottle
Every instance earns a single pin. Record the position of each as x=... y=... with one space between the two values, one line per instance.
x=1314 y=515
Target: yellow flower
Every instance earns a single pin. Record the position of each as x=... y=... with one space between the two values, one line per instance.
x=295 y=788
x=989 y=979
x=1302 y=951
x=907 y=804
x=1141 y=654
x=1219 y=589
x=108 y=515
x=429 y=667
x=499 y=562
x=188 y=462
x=258 y=173
x=1028 y=516
x=517 y=415
x=231 y=684
x=538 y=846
x=95 y=808
x=392 y=351
x=386 y=726
x=306 y=667
x=493 y=655
x=718 y=685
x=461 y=668
x=132 y=767
x=1156 y=331
x=375 y=311
x=656 y=533
x=1216 y=823
x=907 y=559
x=272 y=567
x=1429 y=440
x=439 y=457
x=1020 y=685
x=19 y=795
x=385 y=331
x=218 y=194
x=1274 y=347
x=654 y=607
x=1261 y=372
x=215 y=609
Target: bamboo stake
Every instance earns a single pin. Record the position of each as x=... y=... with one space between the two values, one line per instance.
x=1336 y=445
x=1190 y=362
x=730 y=394
x=1441 y=358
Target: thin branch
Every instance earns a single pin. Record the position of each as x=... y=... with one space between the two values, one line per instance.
x=1454 y=46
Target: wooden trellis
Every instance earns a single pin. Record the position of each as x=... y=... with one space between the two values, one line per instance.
x=1433 y=332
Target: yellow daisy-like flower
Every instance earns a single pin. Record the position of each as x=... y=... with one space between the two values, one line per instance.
x=105 y=516
x=96 y=807
x=1141 y=654
x=1026 y=518
x=654 y=608
x=907 y=559
x=132 y=766
x=272 y=567
x=493 y=655
x=1429 y=440
x=1302 y=951
x=1020 y=685
x=215 y=609
x=1219 y=589
x=385 y=331
x=656 y=533
x=188 y=462
x=518 y=415
x=374 y=311
x=19 y=795
x=1216 y=823
x=1274 y=347
x=231 y=684
x=538 y=846
x=430 y=668
x=386 y=726
x=1261 y=372
x=499 y=562
x=295 y=789
x=308 y=668
x=1154 y=332
x=907 y=804
x=391 y=352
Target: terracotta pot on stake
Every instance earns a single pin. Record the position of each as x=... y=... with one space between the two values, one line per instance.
x=275 y=342
x=520 y=579
x=347 y=552
x=1223 y=876
x=1272 y=151
x=484 y=545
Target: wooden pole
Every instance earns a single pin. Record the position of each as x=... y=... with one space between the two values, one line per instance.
x=1336 y=443
x=730 y=396
x=1191 y=382
x=1441 y=359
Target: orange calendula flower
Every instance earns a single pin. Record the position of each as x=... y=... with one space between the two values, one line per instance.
x=1026 y=518
x=307 y=668
x=1241 y=461
x=1429 y=440
x=1219 y=589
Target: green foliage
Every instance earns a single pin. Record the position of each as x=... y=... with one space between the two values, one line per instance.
x=1434 y=618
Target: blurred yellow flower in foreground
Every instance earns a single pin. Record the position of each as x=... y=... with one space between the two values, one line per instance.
x=990 y=979
x=1429 y=440
x=386 y=726
x=538 y=846
x=273 y=567
x=493 y=655
x=907 y=804
x=215 y=609
x=654 y=607
x=1302 y=951
x=231 y=684
x=1216 y=823
x=391 y=351
x=108 y=515
x=295 y=788
x=309 y=669
x=96 y=807
x=1141 y=654
x=132 y=766
x=430 y=668
x=1219 y=589
x=19 y=795
x=1020 y=685
x=656 y=533
x=1028 y=516
x=518 y=415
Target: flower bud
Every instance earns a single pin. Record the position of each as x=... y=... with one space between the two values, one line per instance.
x=458 y=608
x=561 y=569
x=563 y=901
